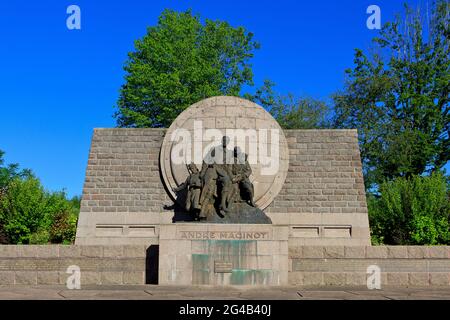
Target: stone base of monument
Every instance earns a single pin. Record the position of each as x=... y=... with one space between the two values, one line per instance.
x=240 y=213
x=223 y=254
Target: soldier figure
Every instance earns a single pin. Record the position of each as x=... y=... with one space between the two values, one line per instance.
x=223 y=180
x=241 y=174
x=216 y=173
x=193 y=184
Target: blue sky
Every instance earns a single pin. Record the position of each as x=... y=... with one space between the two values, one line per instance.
x=56 y=84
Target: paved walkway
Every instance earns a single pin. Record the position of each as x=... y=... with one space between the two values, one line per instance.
x=152 y=292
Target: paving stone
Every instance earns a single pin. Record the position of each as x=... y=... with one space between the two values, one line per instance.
x=144 y=292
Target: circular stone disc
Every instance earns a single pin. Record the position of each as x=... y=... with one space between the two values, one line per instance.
x=268 y=157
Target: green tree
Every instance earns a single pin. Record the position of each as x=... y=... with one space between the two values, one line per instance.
x=22 y=209
x=398 y=97
x=179 y=62
x=64 y=223
x=9 y=172
x=412 y=210
x=290 y=111
x=29 y=214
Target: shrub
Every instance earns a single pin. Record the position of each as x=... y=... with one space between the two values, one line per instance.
x=411 y=211
x=21 y=209
x=3 y=236
x=41 y=236
x=63 y=229
x=376 y=220
x=29 y=214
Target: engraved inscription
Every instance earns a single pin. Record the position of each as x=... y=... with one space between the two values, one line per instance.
x=220 y=235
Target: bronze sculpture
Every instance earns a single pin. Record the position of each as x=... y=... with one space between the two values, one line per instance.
x=222 y=191
x=241 y=176
x=193 y=185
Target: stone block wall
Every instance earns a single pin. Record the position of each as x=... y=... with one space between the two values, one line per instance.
x=123 y=195
x=346 y=266
x=323 y=201
x=123 y=172
x=325 y=174
x=47 y=264
x=308 y=266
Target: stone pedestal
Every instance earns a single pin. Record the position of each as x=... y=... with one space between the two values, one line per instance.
x=223 y=254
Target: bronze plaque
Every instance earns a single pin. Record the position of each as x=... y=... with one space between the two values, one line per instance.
x=223 y=267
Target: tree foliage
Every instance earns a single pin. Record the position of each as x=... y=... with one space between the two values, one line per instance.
x=9 y=172
x=290 y=111
x=398 y=97
x=29 y=213
x=23 y=209
x=411 y=211
x=179 y=62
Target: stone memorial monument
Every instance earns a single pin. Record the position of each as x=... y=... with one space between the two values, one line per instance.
x=224 y=193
